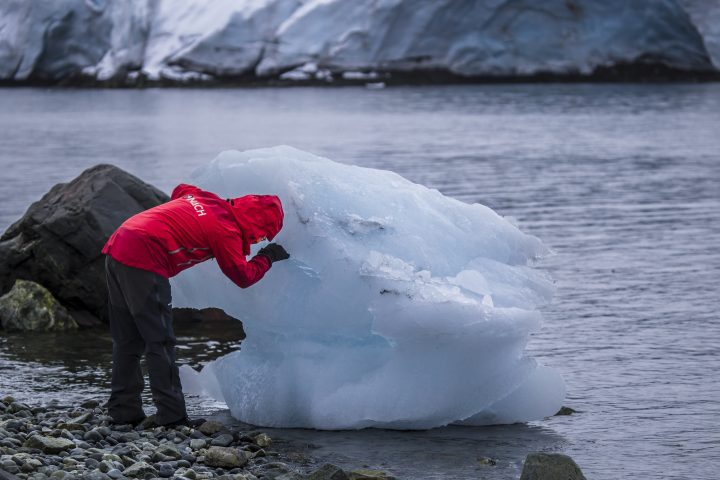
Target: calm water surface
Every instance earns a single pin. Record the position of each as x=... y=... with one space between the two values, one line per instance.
x=621 y=181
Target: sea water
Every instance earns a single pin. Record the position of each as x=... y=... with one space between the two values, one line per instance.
x=620 y=181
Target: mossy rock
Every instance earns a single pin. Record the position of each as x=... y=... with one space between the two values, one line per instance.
x=30 y=307
x=550 y=466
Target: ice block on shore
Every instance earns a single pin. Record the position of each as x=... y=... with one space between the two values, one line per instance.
x=399 y=308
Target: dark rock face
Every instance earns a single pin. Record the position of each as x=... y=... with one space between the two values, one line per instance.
x=57 y=242
x=550 y=466
x=210 y=319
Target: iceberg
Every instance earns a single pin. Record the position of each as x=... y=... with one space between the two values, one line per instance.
x=399 y=307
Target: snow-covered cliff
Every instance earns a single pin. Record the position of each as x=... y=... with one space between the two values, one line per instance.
x=181 y=40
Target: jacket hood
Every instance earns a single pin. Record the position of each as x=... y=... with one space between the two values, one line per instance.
x=258 y=216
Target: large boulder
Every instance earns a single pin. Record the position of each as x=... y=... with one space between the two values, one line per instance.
x=31 y=307
x=58 y=241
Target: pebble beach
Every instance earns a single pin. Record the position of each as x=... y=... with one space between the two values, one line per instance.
x=57 y=442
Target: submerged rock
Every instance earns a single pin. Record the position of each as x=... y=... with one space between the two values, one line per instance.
x=550 y=466
x=363 y=474
x=565 y=411
x=328 y=472
x=31 y=307
x=57 y=242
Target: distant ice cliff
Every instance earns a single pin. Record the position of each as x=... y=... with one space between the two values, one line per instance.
x=182 y=40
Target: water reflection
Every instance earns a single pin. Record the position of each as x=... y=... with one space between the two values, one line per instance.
x=72 y=367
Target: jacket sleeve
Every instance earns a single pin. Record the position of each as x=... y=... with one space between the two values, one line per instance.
x=183 y=189
x=228 y=252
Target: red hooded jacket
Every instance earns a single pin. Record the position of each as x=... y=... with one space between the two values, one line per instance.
x=195 y=226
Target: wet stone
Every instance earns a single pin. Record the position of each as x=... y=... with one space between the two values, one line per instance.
x=129 y=437
x=165 y=470
x=226 y=457
x=111 y=457
x=263 y=440
x=547 y=466
x=363 y=474
x=16 y=407
x=167 y=452
x=222 y=440
x=92 y=436
x=139 y=470
x=14 y=425
x=49 y=444
x=197 y=443
x=83 y=418
x=211 y=427
x=96 y=475
x=187 y=473
x=487 y=461
x=328 y=472
x=61 y=475
x=114 y=473
x=125 y=450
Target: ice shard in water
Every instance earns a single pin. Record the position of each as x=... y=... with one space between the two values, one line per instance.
x=399 y=308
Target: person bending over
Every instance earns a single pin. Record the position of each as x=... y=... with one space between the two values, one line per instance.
x=148 y=249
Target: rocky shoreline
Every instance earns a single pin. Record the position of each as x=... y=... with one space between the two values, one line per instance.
x=639 y=72
x=56 y=442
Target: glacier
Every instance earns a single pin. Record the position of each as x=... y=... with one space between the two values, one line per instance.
x=399 y=307
x=176 y=41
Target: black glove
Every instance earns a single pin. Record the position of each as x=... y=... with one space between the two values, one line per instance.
x=274 y=252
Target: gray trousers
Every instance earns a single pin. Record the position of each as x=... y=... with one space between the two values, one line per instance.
x=141 y=322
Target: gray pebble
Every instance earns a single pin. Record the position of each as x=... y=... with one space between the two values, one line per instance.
x=197 y=443
x=222 y=440
x=95 y=475
x=92 y=436
x=129 y=437
x=165 y=470
x=114 y=473
x=105 y=466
